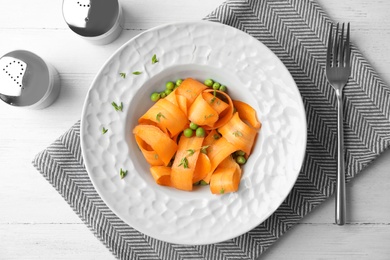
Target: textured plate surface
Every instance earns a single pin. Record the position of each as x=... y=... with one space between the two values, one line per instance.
x=200 y=50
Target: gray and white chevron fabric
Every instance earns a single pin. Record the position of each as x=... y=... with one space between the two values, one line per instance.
x=296 y=31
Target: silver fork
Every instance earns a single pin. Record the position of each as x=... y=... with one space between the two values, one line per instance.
x=338 y=69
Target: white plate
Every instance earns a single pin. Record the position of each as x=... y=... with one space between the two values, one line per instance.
x=201 y=50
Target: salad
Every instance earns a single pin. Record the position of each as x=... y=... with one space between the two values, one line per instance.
x=195 y=134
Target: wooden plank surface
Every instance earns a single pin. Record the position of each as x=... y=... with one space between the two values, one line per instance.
x=35 y=222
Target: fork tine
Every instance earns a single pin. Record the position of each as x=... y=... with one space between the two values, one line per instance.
x=335 y=46
x=341 y=47
x=347 y=49
x=329 y=51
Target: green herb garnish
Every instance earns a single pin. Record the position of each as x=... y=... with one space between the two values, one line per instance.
x=122 y=173
x=237 y=133
x=122 y=74
x=158 y=116
x=203 y=183
x=117 y=108
x=203 y=149
x=190 y=152
x=222 y=191
x=184 y=162
x=137 y=72
x=208 y=116
x=154 y=59
x=216 y=136
x=104 y=130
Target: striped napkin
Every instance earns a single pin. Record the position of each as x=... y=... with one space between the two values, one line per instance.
x=296 y=31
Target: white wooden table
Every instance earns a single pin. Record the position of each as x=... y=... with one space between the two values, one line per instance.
x=36 y=223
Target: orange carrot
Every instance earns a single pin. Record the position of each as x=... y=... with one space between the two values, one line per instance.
x=184 y=165
x=182 y=103
x=160 y=142
x=247 y=113
x=201 y=112
x=226 y=177
x=161 y=174
x=190 y=89
x=217 y=104
x=217 y=152
x=225 y=115
x=151 y=156
x=203 y=166
x=239 y=134
x=211 y=138
x=167 y=116
x=172 y=97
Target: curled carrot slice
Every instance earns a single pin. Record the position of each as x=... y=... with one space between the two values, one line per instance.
x=202 y=113
x=172 y=98
x=247 y=113
x=217 y=152
x=225 y=115
x=150 y=155
x=209 y=111
x=160 y=142
x=167 y=116
x=182 y=103
x=217 y=104
x=184 y=165
x=226 y=177
x=161 y=174
x=239 y=134
x=190 y=89
x=203 y=167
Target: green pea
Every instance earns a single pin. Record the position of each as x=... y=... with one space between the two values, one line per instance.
x=241 y=160
x=188 y=132
x=155 y=96
x=209 y=82
x=170 y=85
x=162 y=94
x=168 y=91
x=216 y=86
x=200 y=132
x=223 y=88
x=193 y=126
x=240 y=153
x=178 y=82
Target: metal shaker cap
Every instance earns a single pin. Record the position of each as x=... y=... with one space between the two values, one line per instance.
x=91 y=18
x=26 y=80
x=11 y=76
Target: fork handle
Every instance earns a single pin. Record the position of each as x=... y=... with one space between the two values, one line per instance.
x=340 y=189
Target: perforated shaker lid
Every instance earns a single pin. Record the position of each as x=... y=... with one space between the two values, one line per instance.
x=11 y=76
x=24 y=78
x=90 y=18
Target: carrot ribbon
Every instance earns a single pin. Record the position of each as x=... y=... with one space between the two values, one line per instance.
x=180 y=161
